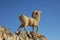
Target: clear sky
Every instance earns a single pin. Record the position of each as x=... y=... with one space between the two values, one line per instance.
x=50 y=18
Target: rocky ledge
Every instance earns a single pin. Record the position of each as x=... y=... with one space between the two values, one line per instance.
x=5 y=34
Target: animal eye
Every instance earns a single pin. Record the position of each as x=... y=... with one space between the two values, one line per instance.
x=36 y=13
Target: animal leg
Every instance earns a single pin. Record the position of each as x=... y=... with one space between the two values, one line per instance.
x=37 y=29
x=19 y=27
x=25 y=29
x=32 y=29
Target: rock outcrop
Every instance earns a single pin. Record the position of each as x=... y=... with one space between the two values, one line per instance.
x=5 y=34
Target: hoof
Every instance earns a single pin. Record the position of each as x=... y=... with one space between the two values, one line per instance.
x=17 y=32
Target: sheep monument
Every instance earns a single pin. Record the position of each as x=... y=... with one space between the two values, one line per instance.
x=28 y=21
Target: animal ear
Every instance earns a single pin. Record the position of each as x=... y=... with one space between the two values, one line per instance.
x=39 y=11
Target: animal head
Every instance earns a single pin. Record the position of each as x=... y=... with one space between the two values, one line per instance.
x=36 y=13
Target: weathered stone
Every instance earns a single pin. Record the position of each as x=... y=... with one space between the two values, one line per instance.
x=5 y=34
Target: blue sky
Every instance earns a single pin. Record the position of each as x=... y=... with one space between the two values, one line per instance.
x=50 y=18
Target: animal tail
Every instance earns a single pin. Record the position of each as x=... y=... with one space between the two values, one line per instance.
x=23 y=19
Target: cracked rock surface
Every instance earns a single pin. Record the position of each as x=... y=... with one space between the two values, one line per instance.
x=5 y=34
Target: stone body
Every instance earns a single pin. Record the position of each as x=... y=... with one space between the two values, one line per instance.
x=28 y=21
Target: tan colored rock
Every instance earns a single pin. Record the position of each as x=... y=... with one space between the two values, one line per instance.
x=42 y=37
x=5 y=34
x=13 y=37
x=1 y=35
